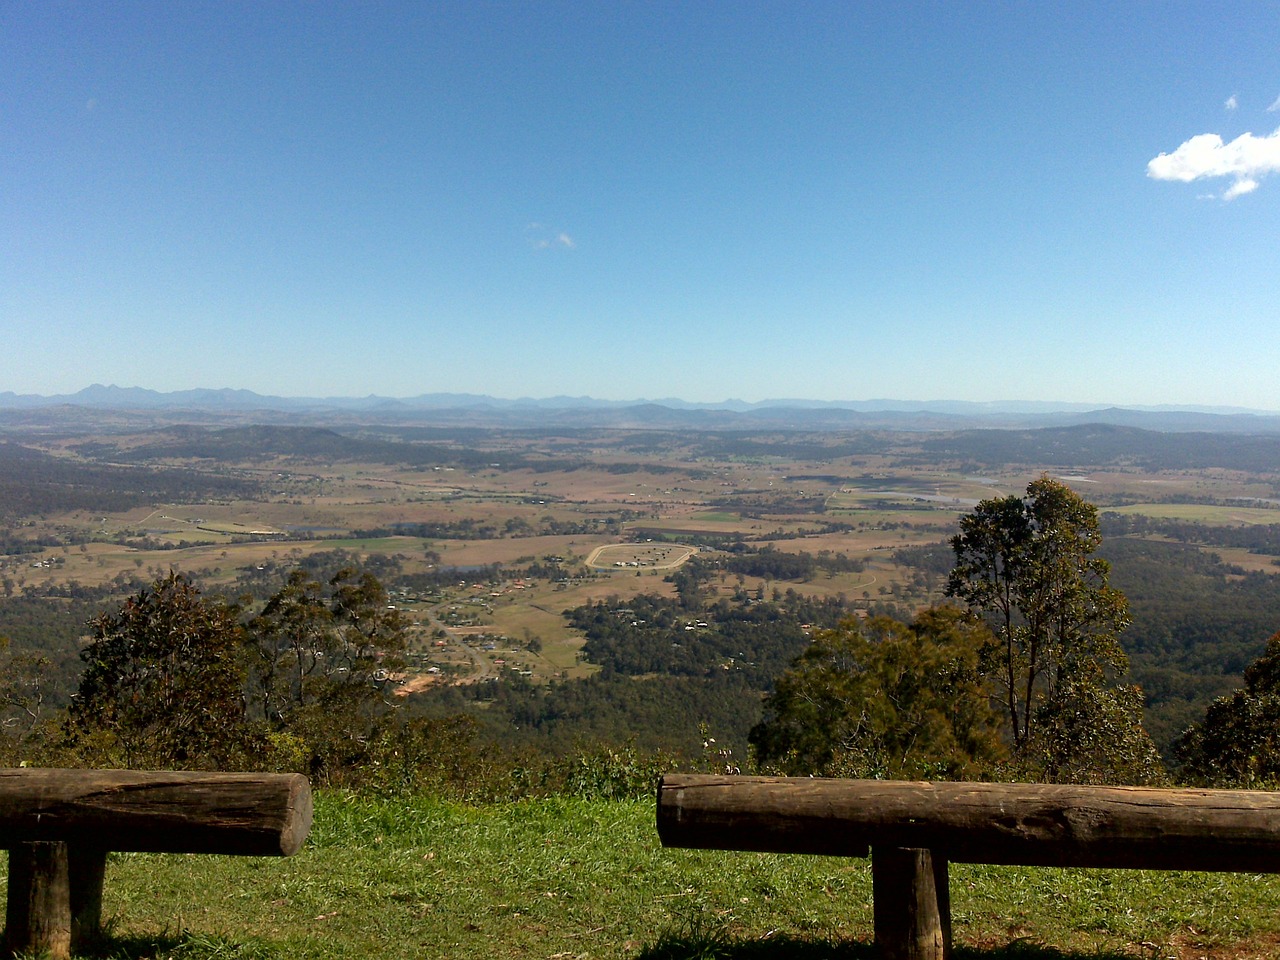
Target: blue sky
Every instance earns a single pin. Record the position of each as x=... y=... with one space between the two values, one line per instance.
x=625 y=200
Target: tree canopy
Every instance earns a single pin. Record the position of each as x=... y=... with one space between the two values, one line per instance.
x=1026 y=566
x=163 y=683
x=1238 y=741
x=176 y=679
x=319 y=658
x=883 y=699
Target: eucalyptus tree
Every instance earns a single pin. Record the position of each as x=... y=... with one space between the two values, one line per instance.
x=1026 y=565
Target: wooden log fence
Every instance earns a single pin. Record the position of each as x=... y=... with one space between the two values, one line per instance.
x=59 y=826
x=912 y=830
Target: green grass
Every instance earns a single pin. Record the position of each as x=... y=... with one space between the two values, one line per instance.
x=568 y=878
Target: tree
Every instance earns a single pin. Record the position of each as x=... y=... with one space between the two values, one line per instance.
x=1091 y=733
x=1238 y=741
x=1025 y=565
x=22 y=695
x=163 y=683
x=884 y=699
x=321 y=658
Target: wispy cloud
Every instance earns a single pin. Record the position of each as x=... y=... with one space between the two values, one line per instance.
x=542 y=238
x=1246 y=159
x=1232 y=102
x=1275 y=106
x=1240 y=188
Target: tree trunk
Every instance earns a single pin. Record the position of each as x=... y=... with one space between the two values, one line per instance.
x=87 y=868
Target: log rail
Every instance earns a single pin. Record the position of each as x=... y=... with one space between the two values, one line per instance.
x=59 y=825
x=912 y=830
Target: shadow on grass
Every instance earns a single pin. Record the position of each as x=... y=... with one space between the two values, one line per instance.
x=716 y=947
x=668 y=947
x=185 y=946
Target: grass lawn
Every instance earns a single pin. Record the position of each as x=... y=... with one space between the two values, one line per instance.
x=566 y=878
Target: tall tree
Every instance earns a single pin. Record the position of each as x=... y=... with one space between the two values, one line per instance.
x=1026 y=565
x=163 y=681
x=884 y=699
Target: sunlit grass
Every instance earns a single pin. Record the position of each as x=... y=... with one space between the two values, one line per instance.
x=420 y=877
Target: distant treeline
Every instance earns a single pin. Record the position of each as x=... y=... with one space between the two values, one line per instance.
x=1104 y=445
x=759 y=503
x=263 y=442
x=773 y=564
x=267 y=442
x=13 y=543
x=469 y=528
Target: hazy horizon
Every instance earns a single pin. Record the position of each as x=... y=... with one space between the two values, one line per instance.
x=1063 y=205
x=885 y=404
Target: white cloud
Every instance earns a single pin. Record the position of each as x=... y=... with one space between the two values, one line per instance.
x=1239 y=188
x=1246 y=159
x=1232 y=102
x=1275 y=106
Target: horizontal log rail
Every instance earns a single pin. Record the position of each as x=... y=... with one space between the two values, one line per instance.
x=1007 y=823
x=912 y=830
x=59 y=825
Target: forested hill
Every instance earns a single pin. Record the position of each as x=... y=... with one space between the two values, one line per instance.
x=259 y=442
x=33 y=482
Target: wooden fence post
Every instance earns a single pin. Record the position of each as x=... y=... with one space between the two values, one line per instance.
x=912 y=904
x=38 y=914
x=86 y=868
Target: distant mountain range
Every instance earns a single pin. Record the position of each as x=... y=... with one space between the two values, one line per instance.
x=461 y=409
